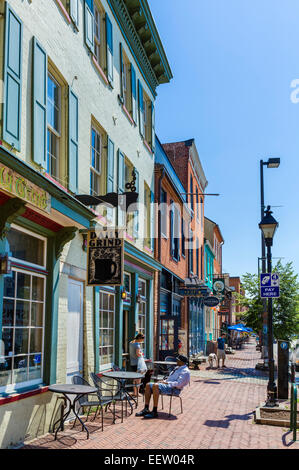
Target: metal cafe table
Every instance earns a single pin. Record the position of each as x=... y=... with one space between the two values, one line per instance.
x=121 y=376
x=76 y=391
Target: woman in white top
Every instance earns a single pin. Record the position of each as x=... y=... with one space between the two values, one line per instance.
x=136 y=358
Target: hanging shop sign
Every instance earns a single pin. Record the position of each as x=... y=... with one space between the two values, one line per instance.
x=16 y=185
x=105 y=258
x=211 y=301
x=218 y=287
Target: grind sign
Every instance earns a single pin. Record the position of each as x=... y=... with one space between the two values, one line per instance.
x=105 y=258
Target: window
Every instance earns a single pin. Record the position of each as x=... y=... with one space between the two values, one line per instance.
x=106 y=343
x=190 y=251
x=191 y=192
x=142 y=305
x=197 y=204
x=53 y=120
x=126 y=82
x=167 y=335
x=163 y=213
x=98 y=157
x=175 y=224
x=99 y=35
x=183 y=238
x=127 y=282
x=147 y=216
x=22 y=343
x=197 y=257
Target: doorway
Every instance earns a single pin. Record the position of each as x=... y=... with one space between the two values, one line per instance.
x=74 y=364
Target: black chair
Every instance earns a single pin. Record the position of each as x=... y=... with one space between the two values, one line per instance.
x=171 y=395
x=109 y=393
x=84 y=401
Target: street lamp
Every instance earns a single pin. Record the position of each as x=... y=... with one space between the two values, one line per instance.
x=268 y=226
x=271 y=163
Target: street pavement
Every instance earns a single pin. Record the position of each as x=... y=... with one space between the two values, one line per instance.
x=218 y=413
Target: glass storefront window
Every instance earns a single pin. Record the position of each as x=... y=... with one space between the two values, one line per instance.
x=23 y=246
x=106 y=344
x=21 y=352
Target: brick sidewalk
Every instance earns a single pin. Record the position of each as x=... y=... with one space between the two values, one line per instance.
x=218 y=414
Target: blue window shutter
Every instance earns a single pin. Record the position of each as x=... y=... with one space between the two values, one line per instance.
x=121 y=187
x=110 y=166
x=141 y=109
x=73 y=141
x=40 y=72
x=153 y=137
x=134 y=93
x=12 y=79
x=136 y=213
x=74 y=11
x=109 y=40
x=89 y=24
x=121 y=70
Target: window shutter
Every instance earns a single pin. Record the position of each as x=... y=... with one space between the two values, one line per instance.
x=171 y=230
x=121 y=188
x=109 y=40
x=73 y=141
x=121 y=70
x=12 y=97
x=152 y=220
x=110 y=167
x=136 y=213
x=134 y=94
x=141 y=109
x=89 y=24
x=153 y=137
x=74 y=11
x=40 y=72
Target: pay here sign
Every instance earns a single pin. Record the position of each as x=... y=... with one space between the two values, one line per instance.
x=269 y=284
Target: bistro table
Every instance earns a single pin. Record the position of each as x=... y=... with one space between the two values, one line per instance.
x=78 y=391
x=121 y=376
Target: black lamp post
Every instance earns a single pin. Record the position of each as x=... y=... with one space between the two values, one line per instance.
x=271 y=163
x=268 y=226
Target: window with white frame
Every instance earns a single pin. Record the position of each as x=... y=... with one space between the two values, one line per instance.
x=107 y=318
x=53 y=126
x=99 y=34
x=96 y=161
x=142 y=305
x=22 y=343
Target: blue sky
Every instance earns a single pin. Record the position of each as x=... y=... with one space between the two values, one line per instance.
x=233 y=63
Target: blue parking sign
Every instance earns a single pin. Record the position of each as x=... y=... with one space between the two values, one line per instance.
x=269 y=284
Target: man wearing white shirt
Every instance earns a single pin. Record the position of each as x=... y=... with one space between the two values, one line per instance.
x=175 y=382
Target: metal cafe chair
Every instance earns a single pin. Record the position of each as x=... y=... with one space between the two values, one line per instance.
x=128 y=386
x=108 y=393
x=84 y=401
x=170 y=402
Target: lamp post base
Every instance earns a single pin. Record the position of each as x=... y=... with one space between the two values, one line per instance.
x=272 y=399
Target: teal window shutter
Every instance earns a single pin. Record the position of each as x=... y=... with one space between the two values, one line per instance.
x=134 y=93
x=40 y=72
x=110 y=176
x=12 y=79
x=141 y=109
x=109 y=40
x=136 y=213
x=74 y=11
x=110 y=166
x=121 y=71
x=73 y=141
x=153 y=136
x=89 y=24
x=121 y=188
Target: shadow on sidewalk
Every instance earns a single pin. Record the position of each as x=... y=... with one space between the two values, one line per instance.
x=224 y=423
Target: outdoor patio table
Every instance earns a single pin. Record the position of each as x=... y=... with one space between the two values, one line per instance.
x=120 y=376
x=78 y=391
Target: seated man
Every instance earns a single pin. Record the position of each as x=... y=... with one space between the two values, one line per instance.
x=175 y=382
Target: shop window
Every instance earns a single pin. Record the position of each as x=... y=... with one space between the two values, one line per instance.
x=107 y=317
x=147 y=216
x=21 y=351
x=167 y=335
x=142 y=306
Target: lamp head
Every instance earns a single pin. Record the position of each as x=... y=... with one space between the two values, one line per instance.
x=268 y=226
x=273 y=163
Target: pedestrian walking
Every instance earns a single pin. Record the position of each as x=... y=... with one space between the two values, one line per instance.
x=221 y=349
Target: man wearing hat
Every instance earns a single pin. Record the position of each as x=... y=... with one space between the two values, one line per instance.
x=175 y=382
